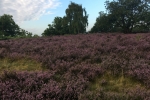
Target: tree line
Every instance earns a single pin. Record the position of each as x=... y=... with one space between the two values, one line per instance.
x=125 y=16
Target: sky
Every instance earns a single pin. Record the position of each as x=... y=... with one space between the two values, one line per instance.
x=35 y=15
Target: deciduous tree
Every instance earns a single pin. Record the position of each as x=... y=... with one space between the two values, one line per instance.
x=129 y=13
x=49 y=31
x=104 y=23
x=77 y=18
x=8 y=27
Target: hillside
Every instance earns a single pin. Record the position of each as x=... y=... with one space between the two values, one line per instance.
x=76 y=67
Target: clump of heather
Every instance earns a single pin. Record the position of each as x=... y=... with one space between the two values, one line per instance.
x=73 y=62
x=34 y=86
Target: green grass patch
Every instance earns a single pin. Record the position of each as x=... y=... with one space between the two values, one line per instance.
x=20 y=65
x=110 y=83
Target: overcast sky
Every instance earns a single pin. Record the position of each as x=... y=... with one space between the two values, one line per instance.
x=35 y=15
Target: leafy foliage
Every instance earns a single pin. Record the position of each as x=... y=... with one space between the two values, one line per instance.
x=49 y=31
x=126 y=16
x=129 y=13
x=77 y=18
x=58 y=27
x=104 y=23
x=74 y=22
x=7 y=26
x=9 y=29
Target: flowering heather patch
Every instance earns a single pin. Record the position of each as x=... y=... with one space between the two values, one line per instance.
x=73 y=63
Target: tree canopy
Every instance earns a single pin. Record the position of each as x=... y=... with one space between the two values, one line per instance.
x=8 y=28
x=75 y=21
x=104 y=23
x=125 y=15
x=77 y=18
x=58 y=27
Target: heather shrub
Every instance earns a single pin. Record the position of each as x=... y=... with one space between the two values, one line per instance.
x=73 y=63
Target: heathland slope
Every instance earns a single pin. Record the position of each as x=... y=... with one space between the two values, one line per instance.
x=72 y=67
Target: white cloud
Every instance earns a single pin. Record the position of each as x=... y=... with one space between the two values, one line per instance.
x=25 y=10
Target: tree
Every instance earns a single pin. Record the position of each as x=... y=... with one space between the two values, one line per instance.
x=23 y=33
x=74 y=22
x=65 y=25
x=57 y=23
x=58 y=27
x=77 y=18
x=55 y=28
x=104 y=23
x=49 y=31
x=129 y=14
x=36 y=35
x=7 y=26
